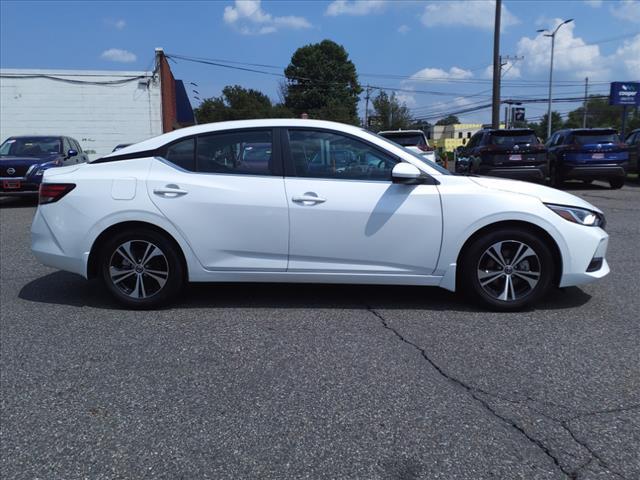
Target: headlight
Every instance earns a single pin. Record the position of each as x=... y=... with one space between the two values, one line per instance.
x=578 y=215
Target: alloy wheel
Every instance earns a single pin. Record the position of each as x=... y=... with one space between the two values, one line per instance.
x=139 y=269
x=509 y=270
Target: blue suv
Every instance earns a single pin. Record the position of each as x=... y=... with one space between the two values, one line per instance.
x=587 y=154
x=24 y=159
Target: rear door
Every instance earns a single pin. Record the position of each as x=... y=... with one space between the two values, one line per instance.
x=350 y=218
x=225 y=193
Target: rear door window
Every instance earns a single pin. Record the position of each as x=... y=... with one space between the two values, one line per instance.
x=247 y=152
x=182 y=154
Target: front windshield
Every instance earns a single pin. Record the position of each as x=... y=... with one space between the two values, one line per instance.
x=30 y=146
x=431 y=164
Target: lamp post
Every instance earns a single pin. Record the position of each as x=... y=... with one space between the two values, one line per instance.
x=553 y=42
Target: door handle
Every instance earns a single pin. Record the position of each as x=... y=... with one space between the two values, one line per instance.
x=170 y=191
x=308 y=199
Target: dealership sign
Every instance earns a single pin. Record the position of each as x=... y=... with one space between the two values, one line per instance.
x=625 y=93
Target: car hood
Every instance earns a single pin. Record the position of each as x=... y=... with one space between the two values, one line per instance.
x=10 y=160
x=544 y=194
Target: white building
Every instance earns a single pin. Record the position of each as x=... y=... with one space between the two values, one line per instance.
x=100 y=109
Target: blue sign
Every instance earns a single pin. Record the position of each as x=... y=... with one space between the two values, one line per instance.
x=625 y=93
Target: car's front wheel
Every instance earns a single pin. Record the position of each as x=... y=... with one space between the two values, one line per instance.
x=507 y=269
x=141 y=268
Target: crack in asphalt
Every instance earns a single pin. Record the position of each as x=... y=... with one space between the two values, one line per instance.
x=573 y=474
x=472 y=391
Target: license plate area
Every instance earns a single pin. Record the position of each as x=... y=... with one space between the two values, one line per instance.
x=597 y=156
x=515 y=157
x=11 y=184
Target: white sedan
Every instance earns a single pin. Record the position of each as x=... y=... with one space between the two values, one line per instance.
x=289 y=200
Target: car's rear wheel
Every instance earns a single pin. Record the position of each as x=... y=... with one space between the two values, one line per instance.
x=507 y=269
x=616 y=182
x=141 y=268
x=555 y=177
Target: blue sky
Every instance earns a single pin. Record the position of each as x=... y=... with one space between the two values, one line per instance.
x=413 y=46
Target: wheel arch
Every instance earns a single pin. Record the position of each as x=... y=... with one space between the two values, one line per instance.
x=531 y=227
x=94 y=254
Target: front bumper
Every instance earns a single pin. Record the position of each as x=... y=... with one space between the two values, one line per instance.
x=28 y=186
x=579 y=267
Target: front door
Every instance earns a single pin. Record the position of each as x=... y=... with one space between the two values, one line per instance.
x=346 y=214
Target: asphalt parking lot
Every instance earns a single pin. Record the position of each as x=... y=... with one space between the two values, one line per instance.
x=315 y=381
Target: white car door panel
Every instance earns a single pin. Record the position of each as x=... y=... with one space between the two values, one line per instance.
x=237 y=222
x=355 y=226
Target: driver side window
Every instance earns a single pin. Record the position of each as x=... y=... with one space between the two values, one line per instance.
x=321 y=154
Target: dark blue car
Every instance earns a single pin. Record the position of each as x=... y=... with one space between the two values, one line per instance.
x=587 y=154
x=23 y=160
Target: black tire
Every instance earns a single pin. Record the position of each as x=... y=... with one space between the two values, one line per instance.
x=555 y=177
x=616 y=183
x=470 y=268
x=128 y=286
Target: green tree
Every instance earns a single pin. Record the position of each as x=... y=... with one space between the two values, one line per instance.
x=541 y=128
x=238 y=103
x=323 y=83
x=389 y=113
x=448 y=120
x=602 y=115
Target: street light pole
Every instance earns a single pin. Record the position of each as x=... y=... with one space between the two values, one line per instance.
x=553 y=43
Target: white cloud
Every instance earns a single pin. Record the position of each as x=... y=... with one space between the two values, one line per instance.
x=118 y=23
x=510 y=70
x=478 y=14
x=404 y=29
x=627 y=10
x=594 y=3
x=354 y=7
x=250 y=19
x=439 y=74
x=629 y=55
x=571 y=55
x=118 y=55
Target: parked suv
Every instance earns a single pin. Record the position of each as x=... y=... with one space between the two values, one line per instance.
x=587 y=154
x=633 y=142
x=414 y=140
x=23 y=160
x=515 y=153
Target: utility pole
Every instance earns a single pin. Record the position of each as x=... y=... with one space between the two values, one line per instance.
x=495 y=104
x=366 y=109
x=584 y=109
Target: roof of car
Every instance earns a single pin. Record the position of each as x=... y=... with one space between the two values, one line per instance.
x=508 y=130
x=39 y=136
x=159 y=141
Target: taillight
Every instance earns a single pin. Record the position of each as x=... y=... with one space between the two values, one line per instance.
x=52 y=192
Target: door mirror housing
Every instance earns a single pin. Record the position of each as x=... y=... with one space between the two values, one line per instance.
x=71 y=153
x=408 y=174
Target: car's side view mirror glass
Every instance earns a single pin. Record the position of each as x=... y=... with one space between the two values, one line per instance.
x=72 y=153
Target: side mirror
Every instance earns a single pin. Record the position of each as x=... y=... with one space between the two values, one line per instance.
x=72 y=153
x=408 y=174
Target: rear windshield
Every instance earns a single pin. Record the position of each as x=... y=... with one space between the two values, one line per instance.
x=30 y=147
x=405 y=139
x=589 y=138
x=508 y=139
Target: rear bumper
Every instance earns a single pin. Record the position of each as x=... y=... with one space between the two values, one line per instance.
x=594 y=171
x=534 y=172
